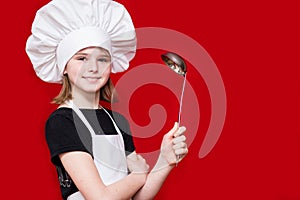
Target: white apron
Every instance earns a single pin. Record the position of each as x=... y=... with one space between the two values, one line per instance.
x=108 y=152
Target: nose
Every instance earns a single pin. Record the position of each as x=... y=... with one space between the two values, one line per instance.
x=92 y=66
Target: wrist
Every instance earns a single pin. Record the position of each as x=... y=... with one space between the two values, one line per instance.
x=162 y=162
x=139 y=178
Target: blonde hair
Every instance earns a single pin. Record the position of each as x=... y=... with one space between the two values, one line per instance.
x=107 y=92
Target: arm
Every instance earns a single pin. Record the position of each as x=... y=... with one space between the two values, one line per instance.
x=173 y=144
x=83 y=172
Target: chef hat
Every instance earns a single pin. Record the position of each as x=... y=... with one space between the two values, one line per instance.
x=63 y=27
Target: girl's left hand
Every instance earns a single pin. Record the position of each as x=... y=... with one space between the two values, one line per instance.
x=136 y=163
x=173 y=147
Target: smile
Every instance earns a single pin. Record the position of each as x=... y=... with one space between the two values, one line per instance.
x=92 y=79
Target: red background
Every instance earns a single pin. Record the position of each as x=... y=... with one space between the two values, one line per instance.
x=255 y=45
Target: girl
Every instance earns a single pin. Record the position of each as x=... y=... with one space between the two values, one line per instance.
x=79 y=43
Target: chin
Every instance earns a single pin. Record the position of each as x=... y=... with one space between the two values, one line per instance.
x=92 y=89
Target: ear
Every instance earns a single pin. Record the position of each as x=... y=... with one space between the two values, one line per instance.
x=65 y=72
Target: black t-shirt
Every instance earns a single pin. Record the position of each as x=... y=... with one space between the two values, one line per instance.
x=65 y=132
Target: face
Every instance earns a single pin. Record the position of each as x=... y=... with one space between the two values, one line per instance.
x=89 y=69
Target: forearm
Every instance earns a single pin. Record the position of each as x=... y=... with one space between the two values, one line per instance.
x=86 y=177
x=155 y=180
x=125 y=188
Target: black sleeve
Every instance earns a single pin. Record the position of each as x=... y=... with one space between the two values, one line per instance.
x=126 y=132
x=62 y=136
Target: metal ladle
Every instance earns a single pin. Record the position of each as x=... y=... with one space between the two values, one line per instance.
x=177 y=64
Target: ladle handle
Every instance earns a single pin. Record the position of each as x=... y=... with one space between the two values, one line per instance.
x=180 y=109
x=181 y=99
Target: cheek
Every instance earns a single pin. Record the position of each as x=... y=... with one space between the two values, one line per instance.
x=107 y=71
x=73 y=72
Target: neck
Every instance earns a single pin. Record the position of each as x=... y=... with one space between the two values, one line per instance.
x=86 y=100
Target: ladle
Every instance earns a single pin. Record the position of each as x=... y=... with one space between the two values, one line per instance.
x=177 y=64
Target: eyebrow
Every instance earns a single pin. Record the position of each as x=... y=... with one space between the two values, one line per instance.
x=82 y=53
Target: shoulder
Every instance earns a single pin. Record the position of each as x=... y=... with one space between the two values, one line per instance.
x=61 y=112
x=64 y=135
x=60 y=115
x=59 y=121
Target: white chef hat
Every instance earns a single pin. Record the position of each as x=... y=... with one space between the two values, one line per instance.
x=63 y=27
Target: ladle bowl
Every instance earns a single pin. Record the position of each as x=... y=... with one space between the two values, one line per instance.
x=175 y=62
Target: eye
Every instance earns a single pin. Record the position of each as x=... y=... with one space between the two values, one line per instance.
x=83 y=58
x=104 y=60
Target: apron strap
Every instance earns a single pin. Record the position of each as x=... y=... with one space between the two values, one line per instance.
x=113 y=121
x=81 y=116
x=85 y=121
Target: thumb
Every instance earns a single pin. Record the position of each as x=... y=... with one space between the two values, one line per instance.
x=133 y=156
x=173 y=130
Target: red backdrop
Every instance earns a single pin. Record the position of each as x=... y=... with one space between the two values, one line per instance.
x=256 y=48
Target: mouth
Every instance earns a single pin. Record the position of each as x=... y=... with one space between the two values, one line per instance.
x=91 y=78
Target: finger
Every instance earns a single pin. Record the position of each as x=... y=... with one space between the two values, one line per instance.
x=180 y=131
x=181 y=151
x=132 y=156
x=179 y=145
x=180 y=157
x=139 y=157
x=173 y=130
x=178 y=139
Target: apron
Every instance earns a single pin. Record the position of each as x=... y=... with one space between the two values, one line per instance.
x=108 y=152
